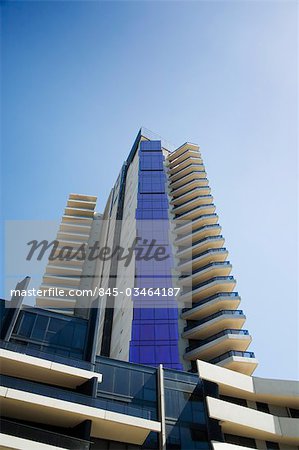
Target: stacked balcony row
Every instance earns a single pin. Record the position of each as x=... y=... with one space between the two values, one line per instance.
x=61 y=272
x=213 y=321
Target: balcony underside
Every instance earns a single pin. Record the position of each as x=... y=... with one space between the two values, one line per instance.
x=74 y=229
x=75 y=240
x=214 y=326
x=69 y=211
x=222 y=269
x=12 y=442
x=209 y=243
x=185 y=226
x=56 y=302
x=197 y=212
x=44 y=371
x=190 y=204
x=181 y=150
x=184 y=157
x=57 y=270
x=211 y=307
x=196 y=235
x=195 y=175
x=76 y=220
x=74 y=245
x=172 y=170
x=109 y=425
x=190 y=168
x=209 y=289
x=249 y=422
x=72 y=203
x=188 y=186
x=63 y=261
x=60 y=280
x=203 y=259
x=83 y=197
x=221 y=345
x=239 y=364
x=193 y=193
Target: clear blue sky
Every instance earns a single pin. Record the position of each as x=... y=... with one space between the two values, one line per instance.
x=80 y=78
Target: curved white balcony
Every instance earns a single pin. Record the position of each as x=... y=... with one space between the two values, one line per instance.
x=191 y=204
x=196 y=212
x=217 y=344
x=185 y=227
x=76 y=220
x=186 y=147
x=194 y=192
x=195 y=174
x=244 y=421
x=176 y=166
x=202 y=259
x=190 y=185
x=189 y=168
x=61 y=280
x=79 y=212
x=200 y=246
x=243 y=362
x=211 y=270
x=60 y=303
x=70 y=229
x=197 y=234
x=211 y=305
x=57 y=269
x=206 y=327
x=207 y=288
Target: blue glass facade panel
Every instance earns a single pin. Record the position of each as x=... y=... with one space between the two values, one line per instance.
x=154 y=338
x=45 y=331
x=186 y=421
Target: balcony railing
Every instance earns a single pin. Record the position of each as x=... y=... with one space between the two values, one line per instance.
x=212 y=250
x=189 y=221
x=184 y=168
x=43 y=436
x=181 y=154
x=208 y=205
x=192 y=200
x=212 y=264
x=230 y=354
x=24 y=349
x=209 y=299
x=174 y=163
x=196 y=188
x=189 y=182
x=205 y=227
x=200 y=241
x=121 y=407
x=211 y=280
x=216 y=336
x=185 y=176
x=232 y=312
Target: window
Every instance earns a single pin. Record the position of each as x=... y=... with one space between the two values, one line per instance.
x=294 y=413
x=151 y=161
x=240 y=440
x=272 y=445
x=27 y=321
x=150 y=146
x=40 y=327
x=236 y=401
x=262 y=407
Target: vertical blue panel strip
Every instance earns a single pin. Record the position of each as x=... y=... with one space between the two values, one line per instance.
x=154 y=338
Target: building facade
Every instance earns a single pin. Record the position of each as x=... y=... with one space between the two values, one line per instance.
x=161 y=194
x=58 y=393
x=153 y=355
